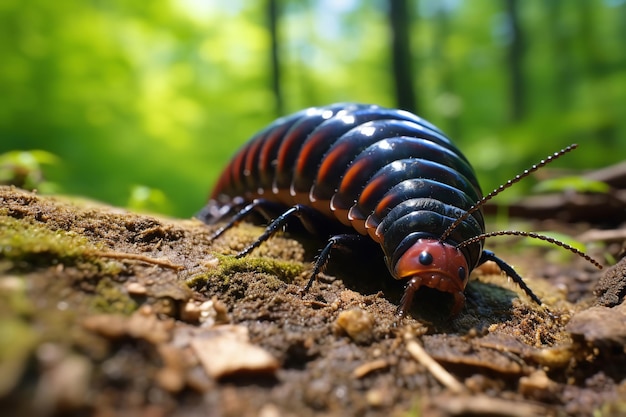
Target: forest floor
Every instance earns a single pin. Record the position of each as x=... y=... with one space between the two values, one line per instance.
x=104 y=312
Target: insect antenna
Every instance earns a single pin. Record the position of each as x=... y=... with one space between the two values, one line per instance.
x=531 y=235
x=503 y=187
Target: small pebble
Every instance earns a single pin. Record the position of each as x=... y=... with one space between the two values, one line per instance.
x=357 y=323
x=269 y=410
x=230 y=353
x=537 y=385
x=377 y=397
x=135 y=288
x=190 y=312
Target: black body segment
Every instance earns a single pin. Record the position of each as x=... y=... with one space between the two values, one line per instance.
x=359 y=172
x=362 y=173
x=385 y=173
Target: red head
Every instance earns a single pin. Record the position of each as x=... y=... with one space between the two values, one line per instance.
x=436 y=265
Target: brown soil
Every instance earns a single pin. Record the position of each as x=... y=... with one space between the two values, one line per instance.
x=109 y=313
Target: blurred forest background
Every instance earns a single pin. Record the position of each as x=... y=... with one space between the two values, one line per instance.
x=142 y=103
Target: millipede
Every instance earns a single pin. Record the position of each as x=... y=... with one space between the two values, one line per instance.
x=361 y=171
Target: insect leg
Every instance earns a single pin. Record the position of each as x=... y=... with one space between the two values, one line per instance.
x=322 y=258
x=304 y=213
x=262 y=206
x=219 y=209
x=509 y=271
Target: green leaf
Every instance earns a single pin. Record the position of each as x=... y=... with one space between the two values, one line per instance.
x=147 y=199
x=572 y=183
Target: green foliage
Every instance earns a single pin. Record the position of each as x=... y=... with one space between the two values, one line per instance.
x=146 y=199
x=161 y=93
x=579 y=184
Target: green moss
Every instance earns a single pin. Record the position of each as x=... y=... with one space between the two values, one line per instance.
x=285 y=271
x=17 y=336
x=13 y=297
x=611 y=408
x=27 y=245
x=17 y=341
x=23 y=241
x=111 y=298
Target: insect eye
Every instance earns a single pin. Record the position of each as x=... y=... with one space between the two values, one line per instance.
x=425 y=258
x=462 y=273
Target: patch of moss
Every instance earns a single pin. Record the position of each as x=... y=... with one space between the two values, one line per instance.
x=13 y=297
x=26 y=243
x=111 y=298
x=17 y=336
x=284 y=271
x=17 y=341
x=612 y=408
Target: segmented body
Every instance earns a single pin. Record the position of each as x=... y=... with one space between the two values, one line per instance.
x=385 y=174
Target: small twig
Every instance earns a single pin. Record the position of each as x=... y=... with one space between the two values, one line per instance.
x=483 y=405
x=369 y=367
x=136 y=257
x=446 y=378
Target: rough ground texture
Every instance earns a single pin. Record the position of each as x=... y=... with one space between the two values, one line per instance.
x=105 y=312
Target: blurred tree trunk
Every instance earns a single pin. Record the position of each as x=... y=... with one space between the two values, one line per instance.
x=400 y=25
x=310 y=93
x=272 y=21
x=591 y=48
x=516 y=62
x=622 y=28
x=563 y=64
x=449 y=101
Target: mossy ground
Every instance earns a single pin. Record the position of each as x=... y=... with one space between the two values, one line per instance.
x=99 y=310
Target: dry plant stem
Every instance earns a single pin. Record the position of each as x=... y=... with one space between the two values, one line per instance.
x=136 y=257
x=446 y=378
x=369 y=367
x=483 y=405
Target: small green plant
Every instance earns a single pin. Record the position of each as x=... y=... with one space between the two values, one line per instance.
x=572 y=183
x=24 y=169
x=147 y=199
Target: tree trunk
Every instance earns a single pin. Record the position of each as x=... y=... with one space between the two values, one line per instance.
x=563 y=65
x=516 y=62
x=403 y=76
x=445 y=72
x=272 y=20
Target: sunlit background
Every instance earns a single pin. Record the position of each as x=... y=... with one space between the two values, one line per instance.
x=141 y=103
